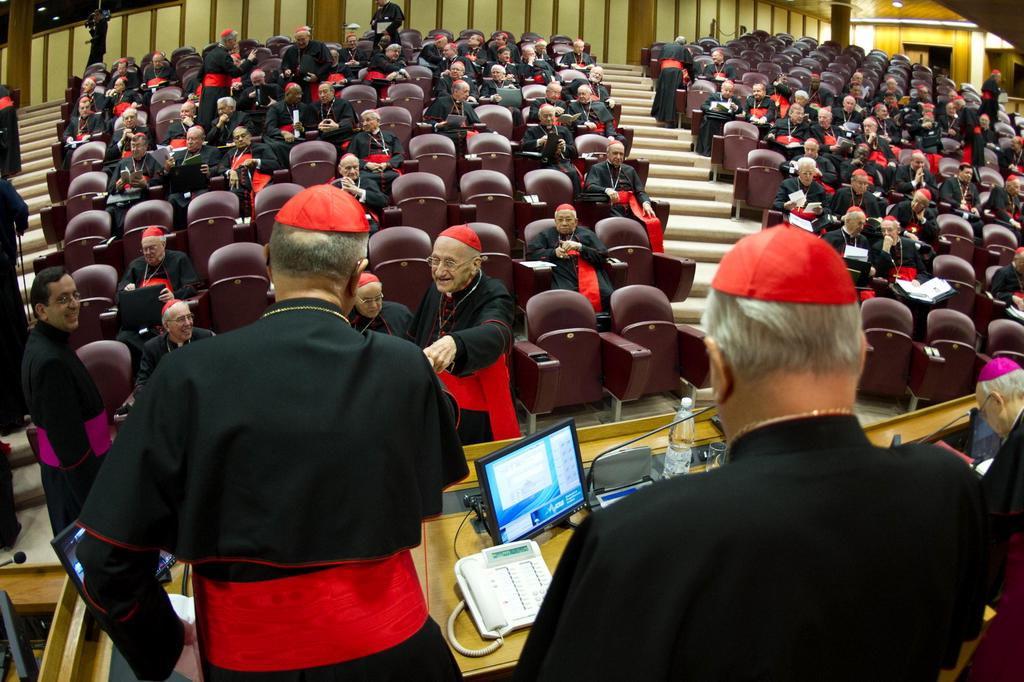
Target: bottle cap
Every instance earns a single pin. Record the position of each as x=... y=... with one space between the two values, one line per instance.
x=686 y=402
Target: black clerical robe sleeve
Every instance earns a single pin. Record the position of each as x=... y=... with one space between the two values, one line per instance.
x=373 y=199
x=542 y=247
x=490 y=336
x=182 y=274
x=60 y=411
x=1005 y=283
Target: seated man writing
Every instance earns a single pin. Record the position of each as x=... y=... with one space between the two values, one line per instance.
x=578 y=256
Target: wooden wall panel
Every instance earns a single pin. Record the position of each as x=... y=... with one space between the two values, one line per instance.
x=688 y=19
x=763 y=20
x=665 y=21
x=56 y=65
x=824 y=31
x=617 y=25
x=540 y=17
x=197 y=23
x=79 y=50
x=229 y=15
x=811 y=29
x=780 y=20
x=727 y=20
x=261 y=19
x=114 y=37
x=708 y=12
x=139 y=37
x=485 y=16
x=747 y=9
x=454 y=15
x=593 y=27
x=568 y=19
x=356 y=12
x=3 y=63
x=168 y=29
x=513 y=20
x=38 y=57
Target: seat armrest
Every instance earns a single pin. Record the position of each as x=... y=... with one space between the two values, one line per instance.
x=54 y=220
x=461 y=214
x=536 y=377
x=110 y=323
x=219 y=182
x=694 y=364
x=926 y=371
x=111 y=254
x=717 y=150
x=526 y=213
x=681 y=101
x=411 y=166
x=674 y=275
x=696 y=118
x=160 y=192
x=618 y=272
x=391 y=216
x=465 y=165
x=529 y=281
x=625 y=366
x=199 y=305
x=40 y=263
x=740 y=182
x=282 y=175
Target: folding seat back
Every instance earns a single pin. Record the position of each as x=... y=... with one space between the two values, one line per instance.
x=698 y=91
x=642 y=314
x=953 y=335
x=751 y=78
x=591 y=143
x=83 y=189
x=989 y=177
x=764 y=177
x=436 y=155
x=110 y=366
x=497 y=118
x=421 y=197
x=498 y=258
x=424 y=78
x=361 y=97
x=553 y=187
x=238 y=285
x=211 y=220
x=1000 y=243
x=97 y=285
x=164 y=119
x=170 y=93
x=83 y=158
x=312 y=162
x=398 y=256
x=268 y=203
x=888 y=326
x=626 y=240
x=1006 y=339
x=495 y=152
x=84 y=231
x=492 y=194
x=960 y=275
x=398 y=121
x=533 y=228
x=563 y=324
x=533 y=91
x=407 y=96
x=740 y=139
x=150 y=212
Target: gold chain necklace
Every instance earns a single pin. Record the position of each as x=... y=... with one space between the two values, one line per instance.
x=834 y=412
x=317 y=308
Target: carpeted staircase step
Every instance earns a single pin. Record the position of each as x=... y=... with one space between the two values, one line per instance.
x=698 y=207
x=669 y=156
x=690 y=310
x=689 y=189
x=702 y=228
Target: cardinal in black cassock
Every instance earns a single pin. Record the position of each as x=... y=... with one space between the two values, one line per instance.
x=217 y=72
x=373 y=314
x=289 y=489
x=786 y=564
x=10 y=141
x=624 y=188
x=306 y=62
x=464 y=325
x=578 y=256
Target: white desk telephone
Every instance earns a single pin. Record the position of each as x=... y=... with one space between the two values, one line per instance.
x=503 y=587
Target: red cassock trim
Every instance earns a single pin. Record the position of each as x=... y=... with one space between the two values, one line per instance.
x=157 y=282
x=487 y=390
x=670 y=64
x=586 y=279
x=179 y=143
x=6 y=102
x=655 y=235
x=904 y=272
x=217 y=80
x=322 y=618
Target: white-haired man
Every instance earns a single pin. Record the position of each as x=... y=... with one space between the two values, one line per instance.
x=788 y=558
x=306 y=62
x=554 y=143
x=379 y=152
x=219 y=69
x=196 y=151
x=453 y=115
x=1000 y=397
x=593 y=115
x=578 y=256
x=719 y=108
x=201 y=467
x=810 y=206
x=260 y=94
x=365 y=187
x=228 y=119
x=624 y=189
x=577 y=59
x=552 y=97
x=178 y=130
x=898 y=257
x=179 y=331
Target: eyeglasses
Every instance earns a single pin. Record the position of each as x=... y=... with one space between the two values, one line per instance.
x=446 y=264
x=151 y=249
x=376 y=299
x=183 y=319
x=65 y=299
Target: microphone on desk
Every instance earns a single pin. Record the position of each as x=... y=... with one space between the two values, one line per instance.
x=17 y=558
x=925 y=439
x=590 y=472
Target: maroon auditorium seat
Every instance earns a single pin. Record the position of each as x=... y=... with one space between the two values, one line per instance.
x=492 y=194
x=1006 y=339
x=87 y=157
x=361 y=97
x=956 y=236
x=436 y=154
x=312 y=163
x=238 y=286
x=953 y=335
x=268 y=203
x=397 y=121
x=408 y=96
x=495 y=152
x=552 y=187
x=164 y=119
x=398 y=256
x=85 y=230
x=420 y=201
x=110 y=365
x=888 y=325
x=424 y=78
x=643 y=315
x=497 y=254
x=211 y=221
x=731 y=149
x=757 y=185
x=97 y=284
x=496 y=118
x=627 y=241
x=150 y=212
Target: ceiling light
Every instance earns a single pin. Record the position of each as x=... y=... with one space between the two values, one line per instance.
x=56 y=18
x=41 y=8
x=897 y=4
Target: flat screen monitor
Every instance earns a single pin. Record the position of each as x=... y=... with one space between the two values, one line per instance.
x=532 y=484
x=985 y=442
x=25 y=664
x=66 y=547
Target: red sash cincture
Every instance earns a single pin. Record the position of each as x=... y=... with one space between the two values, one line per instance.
x=487 y=390
x=758 y=112
x=670 y=64
x=586 y=280
x=904 y=272
x=326 y=617
x=179 y=143
x=6 y=102
x=153 y=82
x=217 y=80
x=655 y=234
x=157 y=281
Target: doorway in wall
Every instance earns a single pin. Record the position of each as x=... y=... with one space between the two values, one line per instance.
x=937 y=57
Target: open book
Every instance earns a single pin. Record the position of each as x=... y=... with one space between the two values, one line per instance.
x=932 y=291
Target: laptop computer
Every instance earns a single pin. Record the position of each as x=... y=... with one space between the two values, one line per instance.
x=140 y=308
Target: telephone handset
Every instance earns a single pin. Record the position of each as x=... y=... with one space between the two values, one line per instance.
x=503 y=588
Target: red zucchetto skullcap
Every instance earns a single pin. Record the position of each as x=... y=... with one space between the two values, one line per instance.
x=861 y=173
x=785 y=265
x=565 y=207
x=926 y=193
x=227 y=33
x=167 y=306
x=855 y=209
x=304 y=29
x=324 y=208
x=464 y=234
x=996 y=72
x=153 y=231
x=368 y=278
x=1011 y=178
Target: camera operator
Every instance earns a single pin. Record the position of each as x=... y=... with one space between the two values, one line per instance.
x=97 y=25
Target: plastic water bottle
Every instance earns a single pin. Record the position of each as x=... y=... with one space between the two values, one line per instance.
x=680 y=442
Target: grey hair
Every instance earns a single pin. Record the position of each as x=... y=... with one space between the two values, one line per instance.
x=854 y=215
x=800 y=93
x=680 y=40
x=760 y=338
x=804 y=162
x=198 y=128
x=589 y=90
x=230 y=101
x=167 y=313
x=1009 y=385
x=312 y=253
x=372 y=113
x=393 y=46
